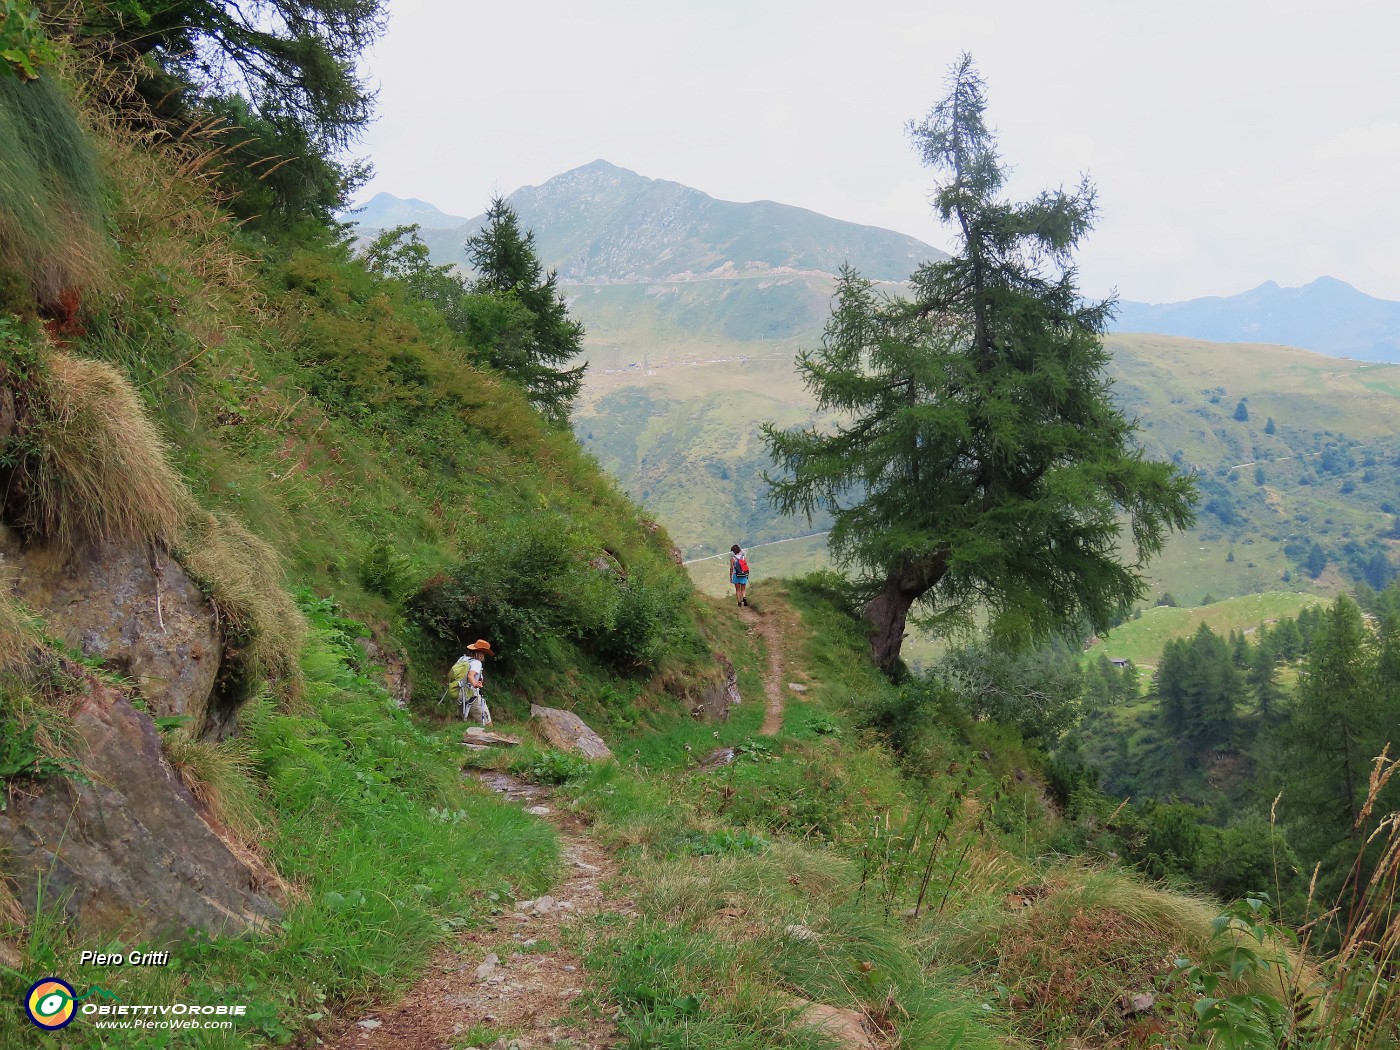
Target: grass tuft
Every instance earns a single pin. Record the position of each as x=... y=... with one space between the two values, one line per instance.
x=16 y=641
x=50 y=191
x=220 y=775
x=96 y=469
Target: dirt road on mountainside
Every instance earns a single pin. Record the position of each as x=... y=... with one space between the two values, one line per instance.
x=513 y=974
x=767 y=628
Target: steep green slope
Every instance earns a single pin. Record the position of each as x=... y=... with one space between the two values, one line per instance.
x=315 y=449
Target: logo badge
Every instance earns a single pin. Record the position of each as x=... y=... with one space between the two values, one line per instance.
x=51 y=1004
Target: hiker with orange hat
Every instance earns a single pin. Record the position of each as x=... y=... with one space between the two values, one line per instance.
x=468 y=673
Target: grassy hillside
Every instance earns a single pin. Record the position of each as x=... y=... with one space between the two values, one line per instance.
x=683 y=439
x=1141 y=640
x=329 y=464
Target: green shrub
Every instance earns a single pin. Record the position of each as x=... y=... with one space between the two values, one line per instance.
x=823 y=725
x=648 y=619
x=527 y=587
x=551 y=767
x=385 y=572
x=538 y=588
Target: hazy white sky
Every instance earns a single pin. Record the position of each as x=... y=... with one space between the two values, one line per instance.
x=1232 y=141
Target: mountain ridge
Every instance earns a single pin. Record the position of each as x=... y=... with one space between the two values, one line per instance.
x=384 y=210
x=601 y=224
x=1326 y=315
x=604 y=224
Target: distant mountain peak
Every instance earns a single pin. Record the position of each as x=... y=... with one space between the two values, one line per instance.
x=600 y=223
x=384 y=210
x=1326 y=315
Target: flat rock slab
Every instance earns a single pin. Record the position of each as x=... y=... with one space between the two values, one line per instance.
x=846 y=1028
x=567 y=732
x=477 y=735
x=717 y=759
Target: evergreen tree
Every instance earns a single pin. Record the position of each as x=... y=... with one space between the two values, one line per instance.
x=1169 y=683
x=274 y=83
x=1287 y=639
x=1310 y=622
x=1335 y=732
x=1100 y=684
x=1129 y=685
x=1262 y=679
x=982 y=461
x=1242 y=412
x=1211 y=688
x=294 y=61
x=1316 y=560
x=524 y=324
x=1269 y=427
x=1386 y=610
x=1239 y=649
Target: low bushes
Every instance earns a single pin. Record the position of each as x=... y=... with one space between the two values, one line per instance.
x=540 y=587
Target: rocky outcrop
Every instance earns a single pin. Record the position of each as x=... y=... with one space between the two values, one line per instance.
x=129 y=850
x=567 y=732
x=718 y=695
x=395 y=666
x=134 y=608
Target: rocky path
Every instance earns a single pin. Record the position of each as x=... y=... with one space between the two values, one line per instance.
x=514 y=975
x=768 y=629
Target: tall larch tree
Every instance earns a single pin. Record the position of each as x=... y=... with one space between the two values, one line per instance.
x=981 y=463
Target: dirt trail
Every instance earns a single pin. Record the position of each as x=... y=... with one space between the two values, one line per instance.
x=767 y=628
x=531 y=986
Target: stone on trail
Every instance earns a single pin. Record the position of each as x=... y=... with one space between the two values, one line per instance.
x=717 y=759
x=538 y=811
x=478 y=735
x=567 y=732
x=846 y=1028
x=488 y=966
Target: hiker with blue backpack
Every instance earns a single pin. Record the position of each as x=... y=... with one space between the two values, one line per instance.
x=739 y=572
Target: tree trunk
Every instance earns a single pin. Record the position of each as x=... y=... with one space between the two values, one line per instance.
x=888 y=611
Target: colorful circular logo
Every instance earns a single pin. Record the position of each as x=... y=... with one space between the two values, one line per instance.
x=51 y=1003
